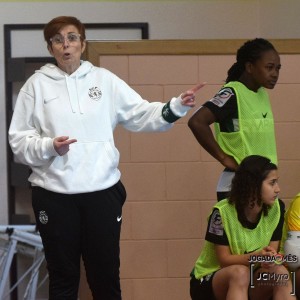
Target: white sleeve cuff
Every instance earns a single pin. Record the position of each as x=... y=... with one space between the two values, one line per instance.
x=177 y=108
x=50 y=151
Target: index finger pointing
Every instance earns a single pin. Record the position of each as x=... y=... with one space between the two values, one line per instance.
x=70 y=141
x=198 y=87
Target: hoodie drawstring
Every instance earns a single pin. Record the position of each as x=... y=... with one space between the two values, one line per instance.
x=73 y=93
x=78 y=99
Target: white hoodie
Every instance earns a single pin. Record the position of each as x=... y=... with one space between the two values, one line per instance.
x=86 y=105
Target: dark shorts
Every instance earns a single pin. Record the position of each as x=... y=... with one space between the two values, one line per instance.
x=222 y=195
x=202 y=288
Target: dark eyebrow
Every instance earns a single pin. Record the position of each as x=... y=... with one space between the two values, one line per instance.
x=273 y=64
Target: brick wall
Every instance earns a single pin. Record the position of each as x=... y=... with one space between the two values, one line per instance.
x=171 y=180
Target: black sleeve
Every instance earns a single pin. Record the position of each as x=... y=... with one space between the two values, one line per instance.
x=223 y=105
x=277 y=234
x=215 y=232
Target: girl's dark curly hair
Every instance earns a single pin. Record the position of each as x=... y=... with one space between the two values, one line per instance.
x=251 y=51
x=247 y=184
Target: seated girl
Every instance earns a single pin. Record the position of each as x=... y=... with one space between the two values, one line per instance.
x=291 y=240
x=242 y=240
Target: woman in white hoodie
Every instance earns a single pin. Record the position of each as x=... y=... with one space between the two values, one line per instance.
x=62 y=127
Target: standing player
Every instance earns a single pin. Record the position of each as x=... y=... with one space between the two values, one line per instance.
x=241 y=112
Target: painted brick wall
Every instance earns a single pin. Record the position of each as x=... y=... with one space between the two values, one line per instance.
x=171 y=180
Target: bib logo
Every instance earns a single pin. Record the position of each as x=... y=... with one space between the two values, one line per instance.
x=95 y=93
x=43 y=217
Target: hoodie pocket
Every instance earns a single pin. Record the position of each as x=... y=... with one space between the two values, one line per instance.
x=111 y=151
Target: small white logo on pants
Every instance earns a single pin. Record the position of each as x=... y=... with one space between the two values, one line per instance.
x=43 y=217
x=119 y=218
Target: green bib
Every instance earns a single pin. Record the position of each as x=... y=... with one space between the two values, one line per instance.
x=256 y=133
x=241 y=240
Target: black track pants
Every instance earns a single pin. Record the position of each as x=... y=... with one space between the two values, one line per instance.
x=75 y=225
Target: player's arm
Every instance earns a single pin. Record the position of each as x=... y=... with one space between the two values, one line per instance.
x=199 y=124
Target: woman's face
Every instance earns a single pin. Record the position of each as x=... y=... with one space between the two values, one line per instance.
x=270 y=188
x=265 y=71
x=66 y=48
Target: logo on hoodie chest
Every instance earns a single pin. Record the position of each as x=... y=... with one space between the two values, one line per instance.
x=95 y=93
